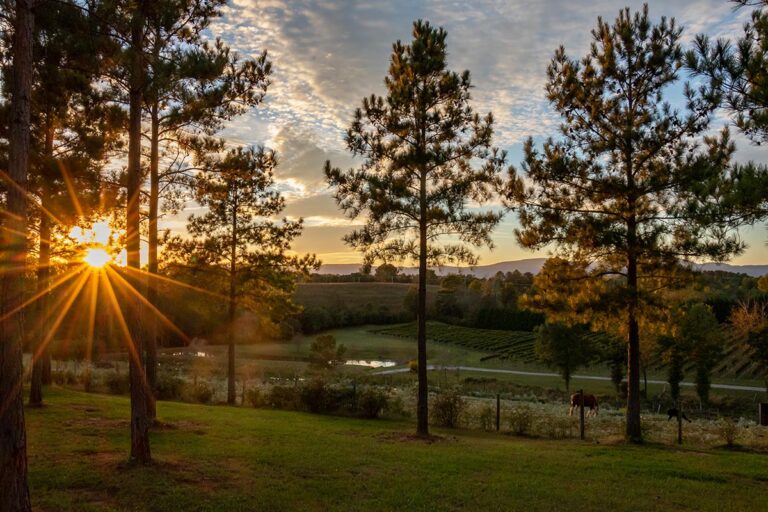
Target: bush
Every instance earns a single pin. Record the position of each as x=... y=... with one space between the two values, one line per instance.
x=413 y=365
x=728 y=430
x=521 y=420
x=284 y=397
x=320 y=398
x=487 y=418
x=395 y=408
x=560 y=427
x=371 y=402
x=118 y=384
x=200 y=393
x=255 y=397
x=447 y=408
x=169 y=387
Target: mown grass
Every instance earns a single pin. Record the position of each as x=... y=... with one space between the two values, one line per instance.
x=221 y=458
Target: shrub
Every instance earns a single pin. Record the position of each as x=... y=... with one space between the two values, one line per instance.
x=255 y=397
x=413 y=365
x=284 y=397
x=200 y=393
x=118 y=384
x=169 y=387
x=728 y=430
x=521 y=420
x=447 y=408
x=560 y=427
x=371 y=402
x=320 y=398
x=395 y=408
x=487 y=418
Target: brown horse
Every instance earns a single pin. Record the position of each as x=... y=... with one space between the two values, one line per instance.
x=589 y=401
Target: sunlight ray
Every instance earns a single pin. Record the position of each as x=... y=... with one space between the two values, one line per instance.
x=31 y=197
x=70 y=189
x=109 y=292
x=164 y=319
x=93 y=294
x=59 y=280
x=62 y=313
x=169 y=280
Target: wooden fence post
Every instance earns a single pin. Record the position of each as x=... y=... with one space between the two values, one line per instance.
x=581 y=414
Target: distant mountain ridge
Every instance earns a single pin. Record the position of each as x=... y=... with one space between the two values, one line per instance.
x=532 y=265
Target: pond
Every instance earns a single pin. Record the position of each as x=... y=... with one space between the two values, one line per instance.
x=374 y=363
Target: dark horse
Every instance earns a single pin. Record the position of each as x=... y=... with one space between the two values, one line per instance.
x=589 y=401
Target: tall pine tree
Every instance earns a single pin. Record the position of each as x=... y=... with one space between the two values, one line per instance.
x=626 y=192
x=239 y=245
x=193 y=88
x=14 y=489
x=426 y=154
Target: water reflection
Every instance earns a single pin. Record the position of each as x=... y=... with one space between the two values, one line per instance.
x=370 y=363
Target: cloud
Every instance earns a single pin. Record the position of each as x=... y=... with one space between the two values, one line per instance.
x=329 y=54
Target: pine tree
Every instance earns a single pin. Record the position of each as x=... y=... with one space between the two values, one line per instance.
x=193 y=88
x=140 y=448
x=737 y=72
x=74 y=127
x=238 y=244
x=13 y=256
x=564 y=348
x=420 y=144
x=626 y=193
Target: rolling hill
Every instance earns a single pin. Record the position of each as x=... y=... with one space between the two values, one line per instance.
x=532 y=265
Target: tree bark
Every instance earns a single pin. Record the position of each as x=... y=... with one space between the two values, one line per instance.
x=232 y=312
x=14 y=489
x=633 y=432
x=43 y=273
x=140 y=450
x=422 y=406
x=152 y=323
x=40 y=353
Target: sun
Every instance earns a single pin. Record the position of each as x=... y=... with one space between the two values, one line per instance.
x=96 y=257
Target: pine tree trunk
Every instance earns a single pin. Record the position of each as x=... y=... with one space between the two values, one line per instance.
x=232 y=313
x=140 y=451
x=43 y=274
x=422 y=406
x=14 y=490
x=152 y=322
x=633 y=433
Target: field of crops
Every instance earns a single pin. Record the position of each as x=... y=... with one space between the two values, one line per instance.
x=353 y=295
x=736 y=362
x=516 y=345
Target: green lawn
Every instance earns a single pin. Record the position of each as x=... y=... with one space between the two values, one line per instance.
x=220 y=458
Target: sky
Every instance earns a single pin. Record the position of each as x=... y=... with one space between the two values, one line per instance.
x=329 y=54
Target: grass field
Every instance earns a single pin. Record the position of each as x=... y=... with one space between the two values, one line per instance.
x=735 y=366
x=220 y=458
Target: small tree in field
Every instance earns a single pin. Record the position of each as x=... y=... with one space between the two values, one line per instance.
x=324 y=353
x=750 y=319
x=238 y=244
x=426 y=156
x=628 y=191
x=562 y=347
x=699 y=327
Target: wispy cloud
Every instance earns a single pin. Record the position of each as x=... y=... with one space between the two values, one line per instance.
x=329 y=54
